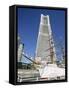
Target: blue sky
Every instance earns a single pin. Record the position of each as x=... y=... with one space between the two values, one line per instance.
x=28 y=26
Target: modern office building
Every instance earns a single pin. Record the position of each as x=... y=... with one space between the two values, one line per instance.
x=20 y=49
x=19 y=41
x=45 y=45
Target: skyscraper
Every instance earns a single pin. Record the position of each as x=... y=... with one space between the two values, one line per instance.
x=20 y=49
x=45 y=46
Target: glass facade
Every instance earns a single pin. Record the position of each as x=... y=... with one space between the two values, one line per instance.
x=44 y=47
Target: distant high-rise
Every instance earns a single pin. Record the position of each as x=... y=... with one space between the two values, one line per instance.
x=20 y=49
x=45 y=47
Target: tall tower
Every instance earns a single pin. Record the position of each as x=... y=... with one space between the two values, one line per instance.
x=45 y=47
x=20 y=49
